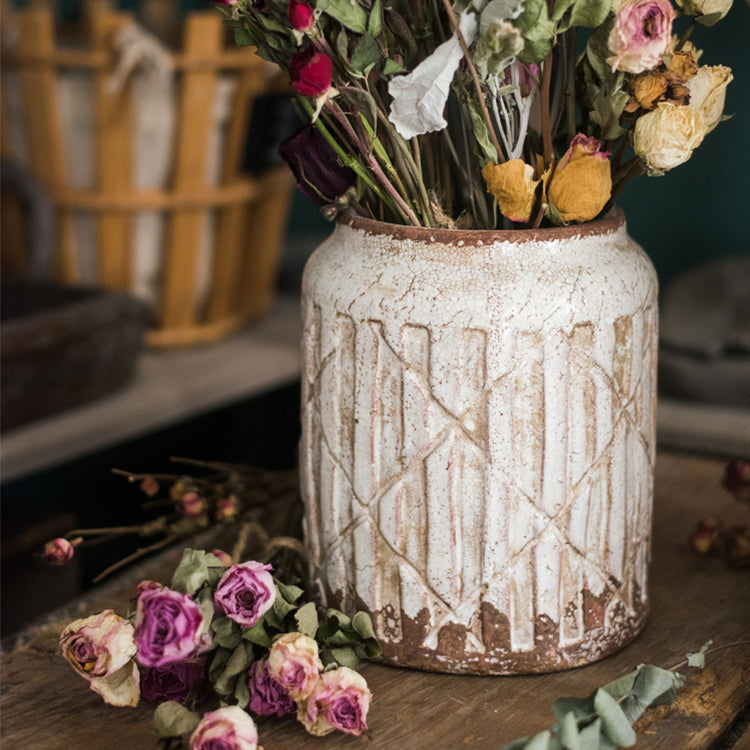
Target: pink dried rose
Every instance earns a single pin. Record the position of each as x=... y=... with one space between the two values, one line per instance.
x=58 y=551
x=310 y=73
x=223 y=557
x=341 y=700
x=149 y=486
x=191 y=504
x=736 y=480
x=227 y=508
x=168 y=627
x=148 y=585
x=246 y=592
x=267 y=696
x=301 y=15
x=294 y=663
x=102 y=648
x=228 y=728
x=641 y=35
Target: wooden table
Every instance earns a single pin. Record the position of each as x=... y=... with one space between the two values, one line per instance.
x=45 y=706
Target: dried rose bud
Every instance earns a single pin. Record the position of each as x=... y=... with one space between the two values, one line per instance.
x=737 y=542
x=192 y=504
x=708 y=525
x=701 y=542
x=149 y=486
x=177 y=490
x=223 y=556
x=736 y=480
x=226 y=508
x=147 y=586
x=58 y=551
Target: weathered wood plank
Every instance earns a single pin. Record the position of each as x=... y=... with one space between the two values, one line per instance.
x=47 y=707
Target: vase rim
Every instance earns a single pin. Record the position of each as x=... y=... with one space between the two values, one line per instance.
x=612 y=221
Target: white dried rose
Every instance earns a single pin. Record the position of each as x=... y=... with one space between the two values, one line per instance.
x=708 y=92
x=708 y=12
x=667 y=136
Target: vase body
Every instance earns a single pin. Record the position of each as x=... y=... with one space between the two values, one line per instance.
x=478 y=439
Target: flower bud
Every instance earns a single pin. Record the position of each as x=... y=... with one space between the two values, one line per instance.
x=301 y=15
x=736 y=480
x=222 y=556
x=226 y=508
x=58 y=551
x=149 y=486
x=192 y=504
x=310 y=72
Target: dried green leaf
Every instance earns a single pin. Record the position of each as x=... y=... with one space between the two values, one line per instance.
x=346 y=657
x=195 y=570
x=281 y=607
x=375 y=21
x=240 y=660
x=362 y=625
x=242 y=693
x=306 y=618
x=579 y=707
x=337 y=617
x=365 y=55
x=290 y=593
x=218 y=662
x=590 y=736
x=227 y=632
x=257 y=634
x=349 y=14
x=172 y=719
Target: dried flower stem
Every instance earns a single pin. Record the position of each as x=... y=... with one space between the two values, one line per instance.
x=135 y=556
x=475 y=78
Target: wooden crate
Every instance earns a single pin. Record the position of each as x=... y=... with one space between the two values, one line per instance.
x=249 y=213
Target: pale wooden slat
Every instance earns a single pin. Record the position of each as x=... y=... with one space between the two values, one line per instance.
x=43 y=128
x=202 y=35
x=225 y=294
x=113 y=126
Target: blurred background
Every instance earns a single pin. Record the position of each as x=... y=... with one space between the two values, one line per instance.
x=144 y=180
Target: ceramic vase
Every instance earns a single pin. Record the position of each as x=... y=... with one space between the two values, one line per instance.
x=478 y=440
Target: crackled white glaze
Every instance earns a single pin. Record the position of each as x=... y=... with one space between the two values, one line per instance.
x=478 y=440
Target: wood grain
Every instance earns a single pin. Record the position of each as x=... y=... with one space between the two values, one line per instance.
x=47 y=707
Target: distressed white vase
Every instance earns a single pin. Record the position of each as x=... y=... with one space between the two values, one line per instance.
x=478 y=439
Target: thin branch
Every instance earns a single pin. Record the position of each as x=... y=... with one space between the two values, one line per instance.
x=135 y=556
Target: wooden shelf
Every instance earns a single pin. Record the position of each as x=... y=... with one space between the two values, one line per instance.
x=169 y=387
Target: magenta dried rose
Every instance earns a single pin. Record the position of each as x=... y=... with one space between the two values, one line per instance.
x=301 y=15
x=172 y=682
x=58 y=551
x=310 y=72
x=101 y=649
x=168 y=627
x=341 y=700
x=641 y=35
x=293 y=662
x=228 y=728
x=267 y=695
x=246 y=592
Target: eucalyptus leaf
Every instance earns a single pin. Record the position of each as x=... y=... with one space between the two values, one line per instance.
x=346 y=657
x=540 y=741
x=518 y=744
x=698 y=658
x=579 y=707
x=306 y=618
x=569 y=736
x=622 y=686
x=172 y=719
x=589 y=737
x=615 y=725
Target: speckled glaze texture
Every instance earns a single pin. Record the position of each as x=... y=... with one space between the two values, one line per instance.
x=478 y=435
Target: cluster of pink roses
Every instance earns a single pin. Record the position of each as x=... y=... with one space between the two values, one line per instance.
x=165 y=654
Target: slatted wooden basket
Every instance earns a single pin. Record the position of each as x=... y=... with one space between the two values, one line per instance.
x=246 y=215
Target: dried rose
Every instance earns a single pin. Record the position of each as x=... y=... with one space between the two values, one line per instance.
x=666 y=137
x=581 y=184
x=736 y=480
x=228 y=728
x=341 y=700
x=58 y=551
x=707 y=12
x=222 y=556
x=648 y=89
x=168 y=627
x=708 y=91
x=172 y=682
x=149 y=486
x=293 y=662
x=513 y=185
x=148 y=585
x=267 y=695
x=738 y=546
x=319 y=174
x=641 y=35
x=227 y=508
x=301 y=15
x=101 y=649
x=310 y=72
x=192 y=504
x=246 y=592
x=703 y=540
x=681 y=66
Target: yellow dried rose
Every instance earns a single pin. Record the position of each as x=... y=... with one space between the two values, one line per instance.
x=647 y=89
x=667 y=136
x=514 y=187
x=681 y=66
x=581 y=184
x=708 y=92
